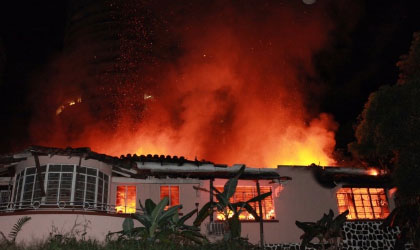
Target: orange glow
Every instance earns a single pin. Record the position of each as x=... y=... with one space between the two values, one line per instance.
x=172 y=192
x=363 y=203
x=372 y=171
x=126 y=199
x=238 y=93
x=245 y=193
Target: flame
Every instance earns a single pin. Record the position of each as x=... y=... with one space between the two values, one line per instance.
x=62 y=107
x=372 y=171
x=236 y=94
x=126 y=199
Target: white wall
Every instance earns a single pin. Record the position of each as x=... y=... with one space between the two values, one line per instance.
x=41 y=225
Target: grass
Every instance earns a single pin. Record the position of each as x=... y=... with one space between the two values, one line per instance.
x=72 y=243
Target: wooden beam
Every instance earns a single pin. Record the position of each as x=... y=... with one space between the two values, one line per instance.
x=261 y=217
x=211 y=197
x=38 y=174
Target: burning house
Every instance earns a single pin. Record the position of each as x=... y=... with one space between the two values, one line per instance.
x=62 y=189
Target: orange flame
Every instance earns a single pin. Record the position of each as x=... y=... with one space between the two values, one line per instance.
x=234 y=96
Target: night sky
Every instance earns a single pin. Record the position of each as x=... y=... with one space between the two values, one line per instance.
x=363 y=43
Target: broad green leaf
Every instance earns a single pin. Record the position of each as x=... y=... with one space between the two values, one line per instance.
x=128 y=225
x=166 y=215
x=144 y=219
x=157 y=211
x=150 y=205
x=222 y=200
x=205 y=211
x=187 y=216
x=230 y=185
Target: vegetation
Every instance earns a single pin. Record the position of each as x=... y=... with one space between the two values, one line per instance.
x=17 y=227
x=52 y=244
x=231 y=211
x=326 y=230
x=160 y=225
x=387 y=136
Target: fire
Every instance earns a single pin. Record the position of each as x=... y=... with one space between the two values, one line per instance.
x=61 y=108
x=236 y=94
x=372 y=171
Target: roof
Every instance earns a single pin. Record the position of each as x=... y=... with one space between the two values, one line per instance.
x=144 y=166
x=330 y=176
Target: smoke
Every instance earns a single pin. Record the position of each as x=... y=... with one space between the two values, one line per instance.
x=221 y=81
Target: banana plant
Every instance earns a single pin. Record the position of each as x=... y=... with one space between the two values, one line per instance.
x=327 y=229
x=231 y=211
x=160 y=224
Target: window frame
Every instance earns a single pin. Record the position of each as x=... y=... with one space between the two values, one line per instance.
x=368 y=187
x=256 y=207
x=20 y=181
x=169 y=194
x=125 y=198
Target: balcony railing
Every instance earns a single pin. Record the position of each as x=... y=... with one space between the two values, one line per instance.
x=8 y=207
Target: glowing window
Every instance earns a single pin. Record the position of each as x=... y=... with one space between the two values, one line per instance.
x=246 y=193
x=126 y=199
x=363 y=203
x=172 y=192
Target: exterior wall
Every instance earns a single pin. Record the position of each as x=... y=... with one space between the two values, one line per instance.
x=302 y=199
x=57 y=159
x=42 y=225
x=358 y=235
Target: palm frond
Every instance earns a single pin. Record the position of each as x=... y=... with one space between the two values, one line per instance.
x=17 y=227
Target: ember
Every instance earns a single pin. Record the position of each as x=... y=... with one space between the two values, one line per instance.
x=236 y=93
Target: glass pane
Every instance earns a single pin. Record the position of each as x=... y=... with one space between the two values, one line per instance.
x=174 y=196
x=52 y=188
x=164 y=192
x=37 y=191
x=67 y=168
x=29 y=185
x=100 y=190
x=120 y=201
x=80 y=189
x=30 y=171
x=105 y=189
x=65 y=186
x=131 y=199
x=90 y=189
x=55 y=168
x=91 y=171
x=81 y=170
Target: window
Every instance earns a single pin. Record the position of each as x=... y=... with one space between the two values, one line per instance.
x=126 y=199
x=63 y=184
x=4 y=197
x=172 y=192
x=246 y=193
x=363 y=203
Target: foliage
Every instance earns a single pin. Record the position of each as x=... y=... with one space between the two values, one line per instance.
x=387 y=135
x=52 y=244
x=327 y=229
x=160 y=225
x=230 y=210
x=407 y=218
x=17 y=227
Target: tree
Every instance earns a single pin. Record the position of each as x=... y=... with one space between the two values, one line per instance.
x=388 y=135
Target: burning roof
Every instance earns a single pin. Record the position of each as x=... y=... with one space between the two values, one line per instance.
x=144 y=166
